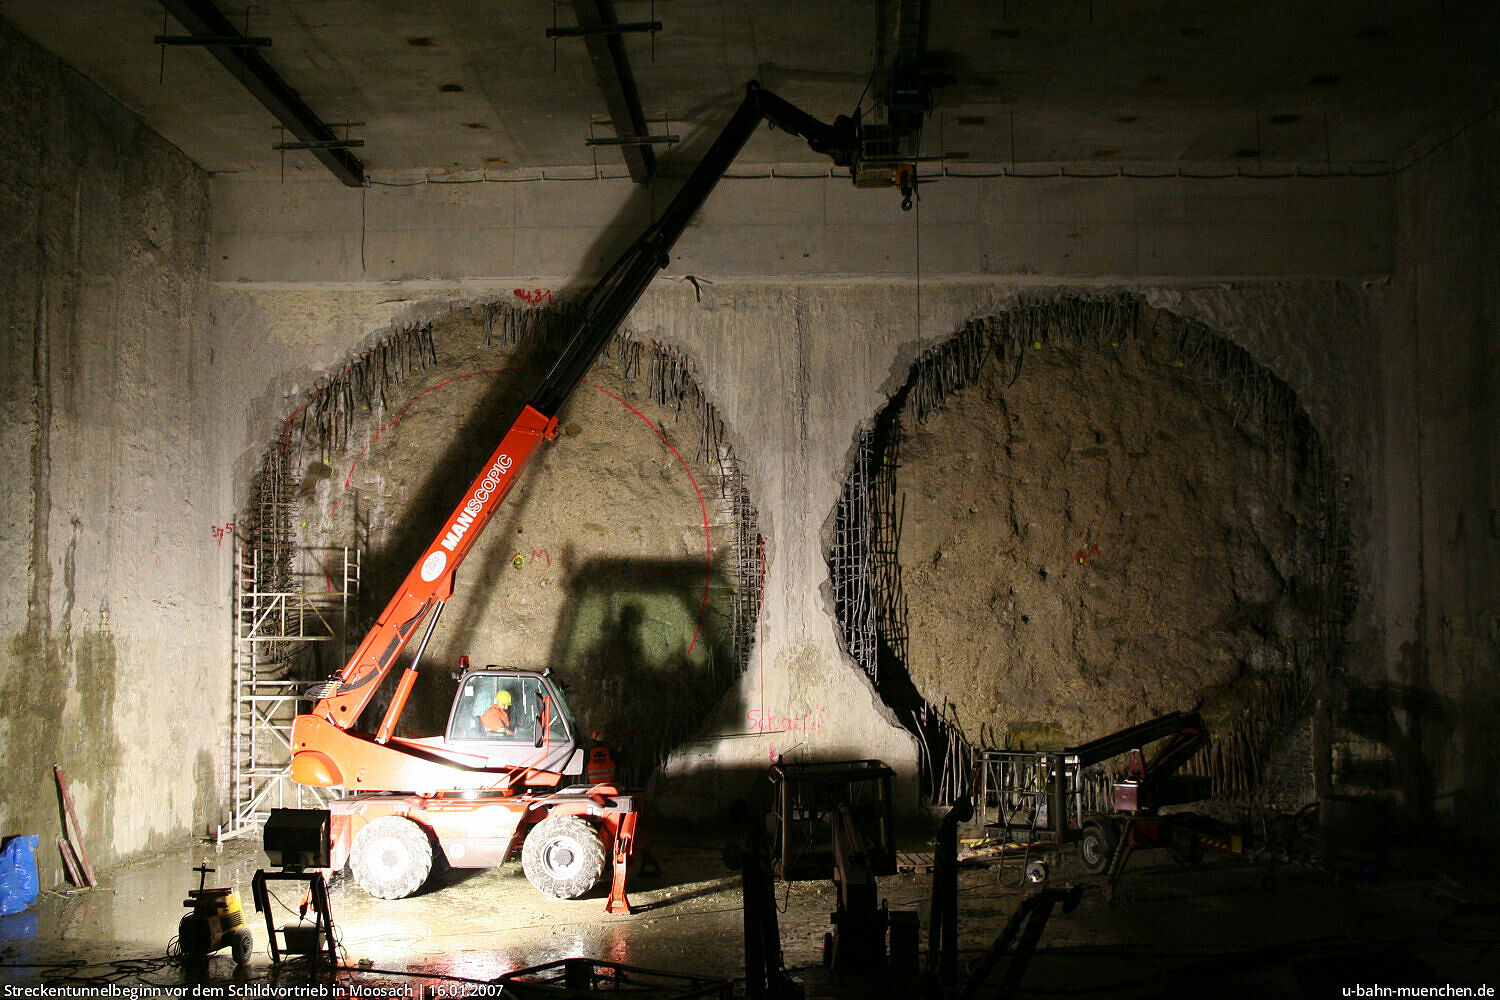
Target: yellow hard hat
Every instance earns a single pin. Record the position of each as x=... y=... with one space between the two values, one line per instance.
x=502 y=698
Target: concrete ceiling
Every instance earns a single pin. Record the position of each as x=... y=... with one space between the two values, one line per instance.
x=455 y=87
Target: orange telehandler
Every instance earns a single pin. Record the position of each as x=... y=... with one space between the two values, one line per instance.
x=473 y=794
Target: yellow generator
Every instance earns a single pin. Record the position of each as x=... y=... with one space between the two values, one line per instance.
x=215 y=920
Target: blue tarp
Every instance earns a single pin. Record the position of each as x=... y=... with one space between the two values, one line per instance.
x=18 y=880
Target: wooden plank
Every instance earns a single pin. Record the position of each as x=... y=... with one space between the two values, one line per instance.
x=76 y=839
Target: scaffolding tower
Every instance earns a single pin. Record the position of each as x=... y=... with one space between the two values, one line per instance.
x=291 y=614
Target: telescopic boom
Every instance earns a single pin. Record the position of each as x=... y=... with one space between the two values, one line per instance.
x=430 y=583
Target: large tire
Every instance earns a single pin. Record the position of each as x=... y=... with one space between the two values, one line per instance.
x=563 y=856
x=391 y=857
x=1096 y=846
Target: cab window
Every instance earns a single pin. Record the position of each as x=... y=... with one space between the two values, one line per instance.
x=504 y=708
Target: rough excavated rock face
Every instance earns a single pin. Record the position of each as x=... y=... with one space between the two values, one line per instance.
x=1095 y=543
x=610 y=562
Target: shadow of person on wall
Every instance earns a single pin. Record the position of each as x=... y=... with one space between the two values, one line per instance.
x=645 y=649
x=622 y=642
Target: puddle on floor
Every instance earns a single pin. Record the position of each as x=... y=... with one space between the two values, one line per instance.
x=474 y=926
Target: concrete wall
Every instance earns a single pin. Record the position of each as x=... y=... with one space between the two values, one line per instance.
x=113 y=590
x=812 y=299
x=1438 y=693
x=132 y=420
x=432 y=235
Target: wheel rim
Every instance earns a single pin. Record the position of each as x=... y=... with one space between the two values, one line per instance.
x=562 y=859
x=388 y=858
x=1091 y=849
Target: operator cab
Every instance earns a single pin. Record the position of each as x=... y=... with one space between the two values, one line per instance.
x=514 y=717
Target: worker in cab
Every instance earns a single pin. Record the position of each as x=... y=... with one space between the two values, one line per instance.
x=496 y=718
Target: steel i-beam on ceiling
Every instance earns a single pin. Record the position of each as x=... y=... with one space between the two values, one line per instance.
x=246 y=64
x=612 y=69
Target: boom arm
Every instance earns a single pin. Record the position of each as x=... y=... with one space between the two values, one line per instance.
x=430 y=583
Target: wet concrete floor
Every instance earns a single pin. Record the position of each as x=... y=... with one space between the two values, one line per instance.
x=1219 y=929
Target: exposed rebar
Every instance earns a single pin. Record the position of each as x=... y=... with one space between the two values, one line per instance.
x=870 y=605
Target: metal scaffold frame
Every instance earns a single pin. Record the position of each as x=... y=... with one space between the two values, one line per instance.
x=1040 y=794
x=276 y=623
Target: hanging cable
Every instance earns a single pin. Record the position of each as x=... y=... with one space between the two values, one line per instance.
x=917 y=224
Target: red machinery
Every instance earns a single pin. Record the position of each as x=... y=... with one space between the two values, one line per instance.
x=1066 y=796
x=475 y=795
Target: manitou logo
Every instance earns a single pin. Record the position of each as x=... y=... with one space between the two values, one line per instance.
x=482 y=494
x=432 y=566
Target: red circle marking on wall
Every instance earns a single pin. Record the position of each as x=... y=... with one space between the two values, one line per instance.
x=708 y=550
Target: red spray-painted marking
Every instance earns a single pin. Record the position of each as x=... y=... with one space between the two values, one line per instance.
x=533 y=296
x=708 y=545
x=708 y=549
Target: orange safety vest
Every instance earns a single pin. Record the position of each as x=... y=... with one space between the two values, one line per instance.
x=495 y=719
x=600 y=769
